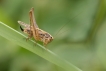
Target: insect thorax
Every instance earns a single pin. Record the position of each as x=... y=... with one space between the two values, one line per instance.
x=44 y=36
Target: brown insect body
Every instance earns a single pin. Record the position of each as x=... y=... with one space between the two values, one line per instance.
x=26 y=29
x=43 y=36
x=33 y=30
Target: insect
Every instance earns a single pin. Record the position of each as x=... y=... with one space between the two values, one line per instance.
x=32 y=30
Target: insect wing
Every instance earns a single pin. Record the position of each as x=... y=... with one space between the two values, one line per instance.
x=23 y=24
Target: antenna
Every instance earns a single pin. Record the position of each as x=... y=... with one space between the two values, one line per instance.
x=66 y=24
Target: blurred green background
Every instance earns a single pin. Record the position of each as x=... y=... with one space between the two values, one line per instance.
x=81 y=40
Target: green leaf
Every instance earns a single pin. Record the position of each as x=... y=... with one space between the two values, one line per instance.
x=16 y=37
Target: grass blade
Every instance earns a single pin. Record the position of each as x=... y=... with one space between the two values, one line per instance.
x=16 y=37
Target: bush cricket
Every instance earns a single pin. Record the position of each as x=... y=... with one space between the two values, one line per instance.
x=32 y=30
